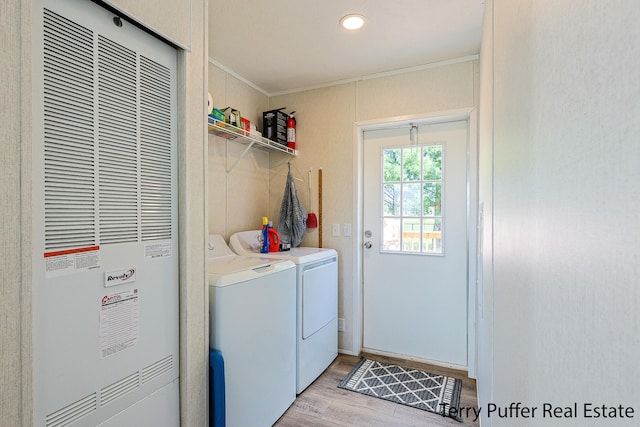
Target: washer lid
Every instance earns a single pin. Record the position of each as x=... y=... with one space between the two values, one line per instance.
x=233 y=264
x=234 y=269
x=246 y=243
x=226 y=268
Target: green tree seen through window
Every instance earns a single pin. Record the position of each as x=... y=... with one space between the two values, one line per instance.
x=412 y=192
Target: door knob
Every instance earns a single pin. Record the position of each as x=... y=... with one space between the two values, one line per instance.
x=367 y=245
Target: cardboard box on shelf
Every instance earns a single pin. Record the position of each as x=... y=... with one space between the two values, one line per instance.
x=274 y=125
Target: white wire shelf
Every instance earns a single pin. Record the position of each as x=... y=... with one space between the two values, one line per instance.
x=225 y=130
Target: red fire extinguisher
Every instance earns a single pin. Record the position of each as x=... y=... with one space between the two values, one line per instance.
x=291 y=131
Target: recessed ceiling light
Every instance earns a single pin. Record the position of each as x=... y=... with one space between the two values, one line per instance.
x=352 y=21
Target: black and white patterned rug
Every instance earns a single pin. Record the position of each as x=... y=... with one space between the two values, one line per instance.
x=412 y=387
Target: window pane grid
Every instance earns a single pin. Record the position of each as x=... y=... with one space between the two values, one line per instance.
x=412 y=194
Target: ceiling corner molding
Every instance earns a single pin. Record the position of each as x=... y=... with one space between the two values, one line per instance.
x=349 y=80
x=381 y=74
x=421 y=67
x=319 y=86
x=238 y=76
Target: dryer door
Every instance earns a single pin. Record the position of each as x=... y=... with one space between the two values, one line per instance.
x=319 y=296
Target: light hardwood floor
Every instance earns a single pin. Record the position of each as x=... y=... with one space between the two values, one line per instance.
x=324 y=404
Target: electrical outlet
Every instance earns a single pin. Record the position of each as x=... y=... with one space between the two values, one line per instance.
x=347 y=230
x=335 y=230
x=340 y=325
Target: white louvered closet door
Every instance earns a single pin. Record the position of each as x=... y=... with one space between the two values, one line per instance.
x=105 y=256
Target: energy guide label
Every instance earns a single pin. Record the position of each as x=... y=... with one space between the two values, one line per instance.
x=119 y=322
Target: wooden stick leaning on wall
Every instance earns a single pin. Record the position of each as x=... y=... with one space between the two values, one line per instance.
x=320 y=207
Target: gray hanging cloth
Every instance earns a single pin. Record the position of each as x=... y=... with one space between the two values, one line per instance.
x=293 y=216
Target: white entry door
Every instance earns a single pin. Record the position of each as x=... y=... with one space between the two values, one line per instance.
x=415 y=242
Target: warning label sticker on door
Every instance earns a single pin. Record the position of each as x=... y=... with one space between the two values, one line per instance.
x=157 y=250
x=119 y=322
x=59 y=263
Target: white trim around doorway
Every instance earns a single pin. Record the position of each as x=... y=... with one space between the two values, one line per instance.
x=470 y=115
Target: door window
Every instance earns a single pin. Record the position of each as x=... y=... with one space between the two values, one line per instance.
x=412 y=194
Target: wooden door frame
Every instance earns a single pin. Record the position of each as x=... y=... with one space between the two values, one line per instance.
x=470 y=116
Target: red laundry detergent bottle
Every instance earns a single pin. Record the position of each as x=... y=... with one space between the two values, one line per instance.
x=274 y=238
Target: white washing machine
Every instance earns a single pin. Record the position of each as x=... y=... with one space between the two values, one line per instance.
x=317 y=302
x=252 y=323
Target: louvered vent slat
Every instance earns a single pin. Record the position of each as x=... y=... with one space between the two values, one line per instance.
x=114 y=98
x=156 y=369
x=118 y=148
x=113 y=159
x=117 y=218
x=161 y=202
x=65 y=175
x=66 y=63
x=153 y=119
x=106 y=115
x=64 y=229
x=72 y=124
x=65 y=213
x=120 y=170
x=79 y=36
x=114 y=142
x=120 y=228
x=71 y=206
x=134 y=155
x=119 y=202
x=156 y=184
x=58 y=101
x=65 y=233
x=72 y=412
x=61 y=93
x=116 y=78
x=62 y=164
x=60 y=199
x=64 y=145
x=69 y=166
x=119 y=388
x=155 y=145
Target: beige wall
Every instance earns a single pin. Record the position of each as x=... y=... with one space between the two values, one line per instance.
x=564 y=141
x=434 y=89
x=324 y=132
x=15 y=204
x=240 y=198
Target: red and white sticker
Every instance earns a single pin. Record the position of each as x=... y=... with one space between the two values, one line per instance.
x=69 y=261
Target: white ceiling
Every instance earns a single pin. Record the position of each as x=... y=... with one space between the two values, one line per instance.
x=287 y=45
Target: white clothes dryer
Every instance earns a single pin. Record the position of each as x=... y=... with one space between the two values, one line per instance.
x=252 y=321
x=316 y=306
